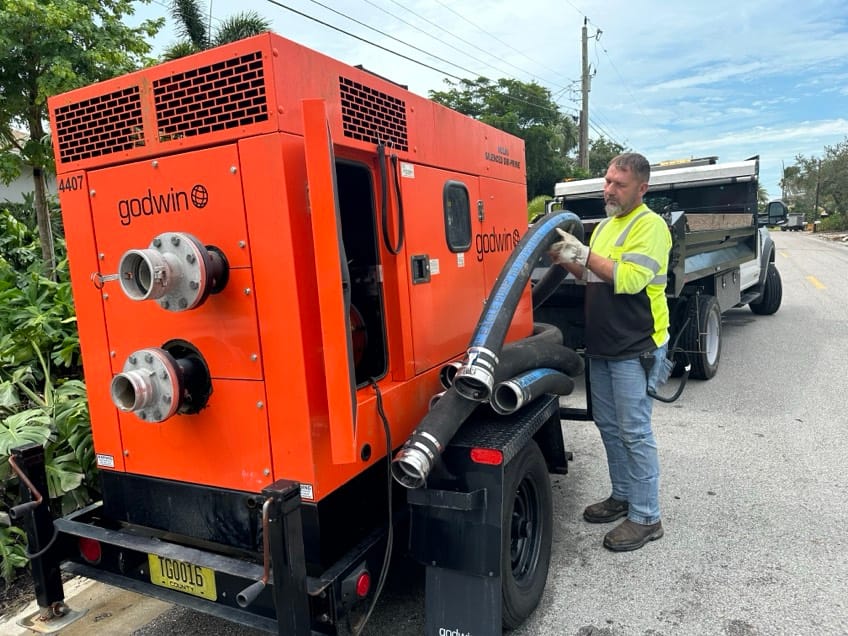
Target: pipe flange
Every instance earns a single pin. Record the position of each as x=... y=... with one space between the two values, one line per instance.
x=148 y=386
x=173 y=270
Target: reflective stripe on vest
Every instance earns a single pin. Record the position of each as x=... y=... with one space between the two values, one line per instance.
x=639 y=259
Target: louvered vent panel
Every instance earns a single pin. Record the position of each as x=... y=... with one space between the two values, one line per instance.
x=372 y=116
x=211 y=98
x=99 y=126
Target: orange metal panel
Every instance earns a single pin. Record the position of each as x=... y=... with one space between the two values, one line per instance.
x=224 y=328
x=197 y=192
x=399 y=320
x=504 y=223
x=334 y=320
x=226 y=444
x=445 y=309
x=91 y=323
x=273 y=174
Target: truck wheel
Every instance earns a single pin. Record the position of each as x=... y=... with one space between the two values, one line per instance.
x=769 y=300
x=702 y=338
x=528 y=518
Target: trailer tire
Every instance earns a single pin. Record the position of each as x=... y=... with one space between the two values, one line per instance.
x=769 y=301
x=702 y=338
x=528 y=519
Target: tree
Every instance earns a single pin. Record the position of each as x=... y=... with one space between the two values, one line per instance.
x=197 y=34
x=525 y=110
x=49 y=47
x=819 y=186
x=601 y=152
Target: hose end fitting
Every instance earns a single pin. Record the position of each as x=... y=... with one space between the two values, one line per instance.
x=507 y=397
x=448 y=373
x=476 y=376
x=415 y=459
x=410 y=467
x=434 y=399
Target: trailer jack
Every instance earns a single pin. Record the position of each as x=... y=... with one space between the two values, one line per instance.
x=53 y=614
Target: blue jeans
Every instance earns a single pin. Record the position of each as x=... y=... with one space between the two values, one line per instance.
x=622 y=412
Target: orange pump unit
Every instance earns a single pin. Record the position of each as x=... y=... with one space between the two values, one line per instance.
x=285 y=231
x=274 y=258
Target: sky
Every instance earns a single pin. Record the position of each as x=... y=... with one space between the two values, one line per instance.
x=672 y=80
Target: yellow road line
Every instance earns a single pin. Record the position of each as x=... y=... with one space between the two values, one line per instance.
x=784 y=254
x=815 y=282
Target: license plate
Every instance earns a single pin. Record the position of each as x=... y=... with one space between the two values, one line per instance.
x=182 y=576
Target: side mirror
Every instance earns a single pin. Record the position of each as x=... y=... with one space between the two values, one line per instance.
x=775 y=214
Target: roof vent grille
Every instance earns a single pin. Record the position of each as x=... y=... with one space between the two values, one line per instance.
x=220 y=96
x=371 y=116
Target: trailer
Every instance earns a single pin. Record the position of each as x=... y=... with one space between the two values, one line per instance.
x=722 y=255
x=279 y=263
x=794 y=223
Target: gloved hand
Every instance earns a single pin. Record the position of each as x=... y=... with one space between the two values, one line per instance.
x=569 y=250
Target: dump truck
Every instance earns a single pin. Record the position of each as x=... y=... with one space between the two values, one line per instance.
x=722 y=254
x=309 y=343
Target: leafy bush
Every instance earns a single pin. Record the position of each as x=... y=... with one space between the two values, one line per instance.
x=536 y=206
x=42 y=396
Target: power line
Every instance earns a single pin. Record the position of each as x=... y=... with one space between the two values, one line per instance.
x=506 y=44
x=361 y=39
x=623 y=81
x=391 y=37
x=447 y=32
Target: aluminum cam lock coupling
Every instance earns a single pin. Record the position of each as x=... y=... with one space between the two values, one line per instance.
x=157 y=383
x=176 y=270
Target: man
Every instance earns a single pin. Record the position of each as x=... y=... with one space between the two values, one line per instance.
x=625 y=268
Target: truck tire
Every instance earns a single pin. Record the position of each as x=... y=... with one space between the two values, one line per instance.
x=528 y=519
x=702 y=338
x=769 y=301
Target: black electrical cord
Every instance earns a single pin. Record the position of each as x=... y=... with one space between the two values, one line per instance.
x=357 y=629
x=394 y=250
x=687 y=366
x=396 y=172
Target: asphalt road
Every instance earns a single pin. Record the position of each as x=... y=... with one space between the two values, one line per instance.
x=753 y=493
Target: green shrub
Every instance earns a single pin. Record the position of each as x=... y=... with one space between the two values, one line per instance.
x=42 y=396
x=536 y=206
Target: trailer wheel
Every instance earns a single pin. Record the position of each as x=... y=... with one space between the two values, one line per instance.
x=769 y=301
x=702 y=338
x=526 y=550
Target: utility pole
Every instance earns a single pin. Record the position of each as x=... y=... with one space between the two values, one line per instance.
x=583 y=148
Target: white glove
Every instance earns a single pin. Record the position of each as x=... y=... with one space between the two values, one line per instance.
x=569 y=250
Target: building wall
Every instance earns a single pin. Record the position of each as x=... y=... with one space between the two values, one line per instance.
x=15 y=191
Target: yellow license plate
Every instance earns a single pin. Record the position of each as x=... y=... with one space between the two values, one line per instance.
x=182 y=576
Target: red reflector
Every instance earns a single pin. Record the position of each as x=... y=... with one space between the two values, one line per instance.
x=363 y=584
x=90 y=549
x=486 y=456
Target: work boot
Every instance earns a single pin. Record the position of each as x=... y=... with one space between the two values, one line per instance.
x=630 y=535
x=605 y=511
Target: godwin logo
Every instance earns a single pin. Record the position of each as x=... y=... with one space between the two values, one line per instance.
x=152 y=203
x=495 y=241
x=452 y=632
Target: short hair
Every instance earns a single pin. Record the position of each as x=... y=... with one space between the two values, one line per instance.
x=635 y=163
